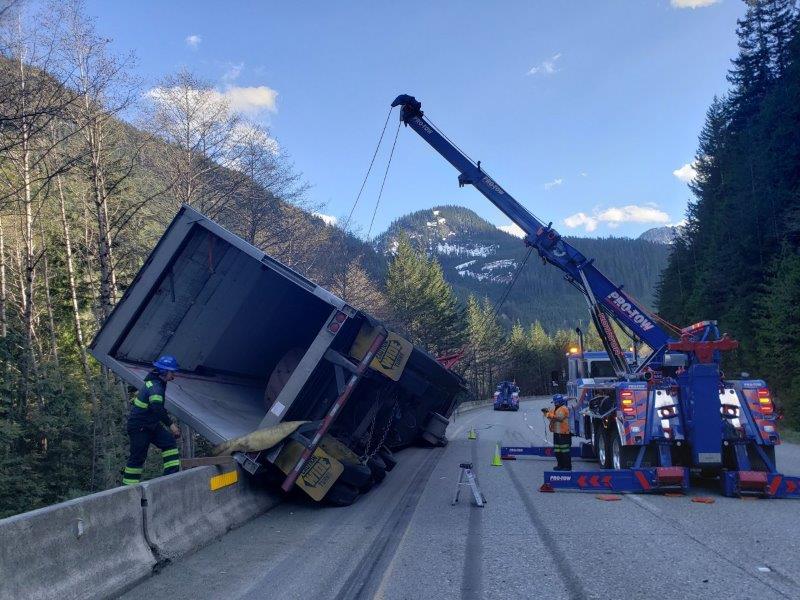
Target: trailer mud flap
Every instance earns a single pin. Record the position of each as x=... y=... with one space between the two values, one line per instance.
x=318 y=474
x=623 y=480
x=392 y=356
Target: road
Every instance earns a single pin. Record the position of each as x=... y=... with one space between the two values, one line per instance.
x=405 y=541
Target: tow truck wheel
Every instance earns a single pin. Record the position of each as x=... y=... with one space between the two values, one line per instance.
x=602 y=448
x=622 y=457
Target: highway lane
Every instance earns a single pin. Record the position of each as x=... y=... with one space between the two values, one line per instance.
x=404 y=540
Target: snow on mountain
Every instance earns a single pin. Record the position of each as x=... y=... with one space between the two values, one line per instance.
x=512 y=229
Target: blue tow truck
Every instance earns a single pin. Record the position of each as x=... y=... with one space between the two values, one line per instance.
x=506 y=396
x=650 y=422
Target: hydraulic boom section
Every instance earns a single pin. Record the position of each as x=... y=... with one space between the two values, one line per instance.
x=605 y=299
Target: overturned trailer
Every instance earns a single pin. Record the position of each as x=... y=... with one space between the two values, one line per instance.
x=268 y=357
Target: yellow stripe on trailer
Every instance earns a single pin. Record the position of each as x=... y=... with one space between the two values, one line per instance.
x=224 y=480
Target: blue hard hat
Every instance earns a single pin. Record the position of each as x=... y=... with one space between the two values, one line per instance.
x=559 y=399
x=166 y=363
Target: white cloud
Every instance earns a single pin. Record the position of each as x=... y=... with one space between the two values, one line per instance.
x=584 y=174
x=193 y=41
x=555 y=183
x=244 y=100
x=329 y=219
x=546 y=67
x=686 y=173
x=251 y=100
x=692 y=3
x=580 y=220
x=616 y=215
x=512 y=229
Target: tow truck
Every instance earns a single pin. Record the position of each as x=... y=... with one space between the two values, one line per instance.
x=653 y=421
x=506 y=396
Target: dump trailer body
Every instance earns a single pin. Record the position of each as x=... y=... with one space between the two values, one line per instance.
x=260 y=344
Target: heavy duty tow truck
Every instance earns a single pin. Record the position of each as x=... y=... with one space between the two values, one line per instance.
x=651 y=422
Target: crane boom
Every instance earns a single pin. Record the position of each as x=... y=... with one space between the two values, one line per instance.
x=605 y=298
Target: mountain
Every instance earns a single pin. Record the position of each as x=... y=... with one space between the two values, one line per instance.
x=479 y=258
x=661 y=235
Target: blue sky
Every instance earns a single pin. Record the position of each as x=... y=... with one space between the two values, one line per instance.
x=583 y=110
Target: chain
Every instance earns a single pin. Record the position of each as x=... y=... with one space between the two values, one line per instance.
x=367 y=454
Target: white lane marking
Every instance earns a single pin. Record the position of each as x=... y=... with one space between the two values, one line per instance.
x=644 y=503
x=764 y=569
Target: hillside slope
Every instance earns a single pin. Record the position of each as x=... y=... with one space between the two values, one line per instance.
x=480 y=259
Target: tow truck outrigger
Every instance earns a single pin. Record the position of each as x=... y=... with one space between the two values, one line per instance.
x=663 y=416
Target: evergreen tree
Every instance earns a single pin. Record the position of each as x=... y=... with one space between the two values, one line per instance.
x=423 y=304
x=778 y=332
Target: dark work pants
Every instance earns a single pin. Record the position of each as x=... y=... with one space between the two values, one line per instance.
x=561 y=447
x=141 y=437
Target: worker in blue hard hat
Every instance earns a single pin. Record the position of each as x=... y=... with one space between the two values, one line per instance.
x=149 y=423
x=558 y=417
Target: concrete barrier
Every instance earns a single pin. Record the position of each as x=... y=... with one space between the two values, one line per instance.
x=183 y=514
x=90 y=547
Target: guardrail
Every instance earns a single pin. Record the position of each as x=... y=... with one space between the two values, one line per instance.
x=100 y=545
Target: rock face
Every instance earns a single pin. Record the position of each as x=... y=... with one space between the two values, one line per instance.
x=661 y=235
x=481 y=259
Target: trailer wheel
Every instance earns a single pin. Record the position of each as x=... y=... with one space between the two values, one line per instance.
x=622 y=457
x=388 y=458
x=377 y=467
x=355 y=475
x=341 y=494
x=602 y=447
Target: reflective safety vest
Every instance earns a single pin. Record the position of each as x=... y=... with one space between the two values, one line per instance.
x=559 y=419
x=147 y=407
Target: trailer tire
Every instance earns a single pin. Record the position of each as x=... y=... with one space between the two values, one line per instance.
x=378 y=468
x=388 y=458
x=355 y=475
x=603 y=447
x=341 y=494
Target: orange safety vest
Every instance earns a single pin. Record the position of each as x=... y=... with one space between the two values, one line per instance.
x=559 y=420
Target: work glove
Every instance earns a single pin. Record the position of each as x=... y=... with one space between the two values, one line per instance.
x=176 y=431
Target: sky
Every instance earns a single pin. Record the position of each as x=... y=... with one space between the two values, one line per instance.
x=587 y=112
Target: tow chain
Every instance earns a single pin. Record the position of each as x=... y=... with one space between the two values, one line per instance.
x=367 y=454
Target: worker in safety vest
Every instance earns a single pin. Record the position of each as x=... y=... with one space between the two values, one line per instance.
x=149 y=423
x=562 y=438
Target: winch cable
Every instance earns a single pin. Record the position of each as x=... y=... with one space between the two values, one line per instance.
x=369 y=170
x=383 y=183
x=499 y=304
x=510 y=286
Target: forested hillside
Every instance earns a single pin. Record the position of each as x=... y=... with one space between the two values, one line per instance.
x=737 y=260
x=93 y=165
x=479 y=259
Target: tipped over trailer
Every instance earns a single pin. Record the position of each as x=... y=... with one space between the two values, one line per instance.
x=276 y=370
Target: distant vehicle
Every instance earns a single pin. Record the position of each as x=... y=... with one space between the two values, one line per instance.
x=506 y=397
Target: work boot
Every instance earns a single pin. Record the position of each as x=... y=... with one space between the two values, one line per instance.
x=558 y=468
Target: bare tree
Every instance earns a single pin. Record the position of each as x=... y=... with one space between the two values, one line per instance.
x=200 y=131
x=106 y=90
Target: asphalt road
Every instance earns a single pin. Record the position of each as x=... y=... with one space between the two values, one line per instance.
x=404 y=540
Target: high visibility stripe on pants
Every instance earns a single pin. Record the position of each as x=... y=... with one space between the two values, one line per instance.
x=168 y=464
x=131 y=475
x=169 y=453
